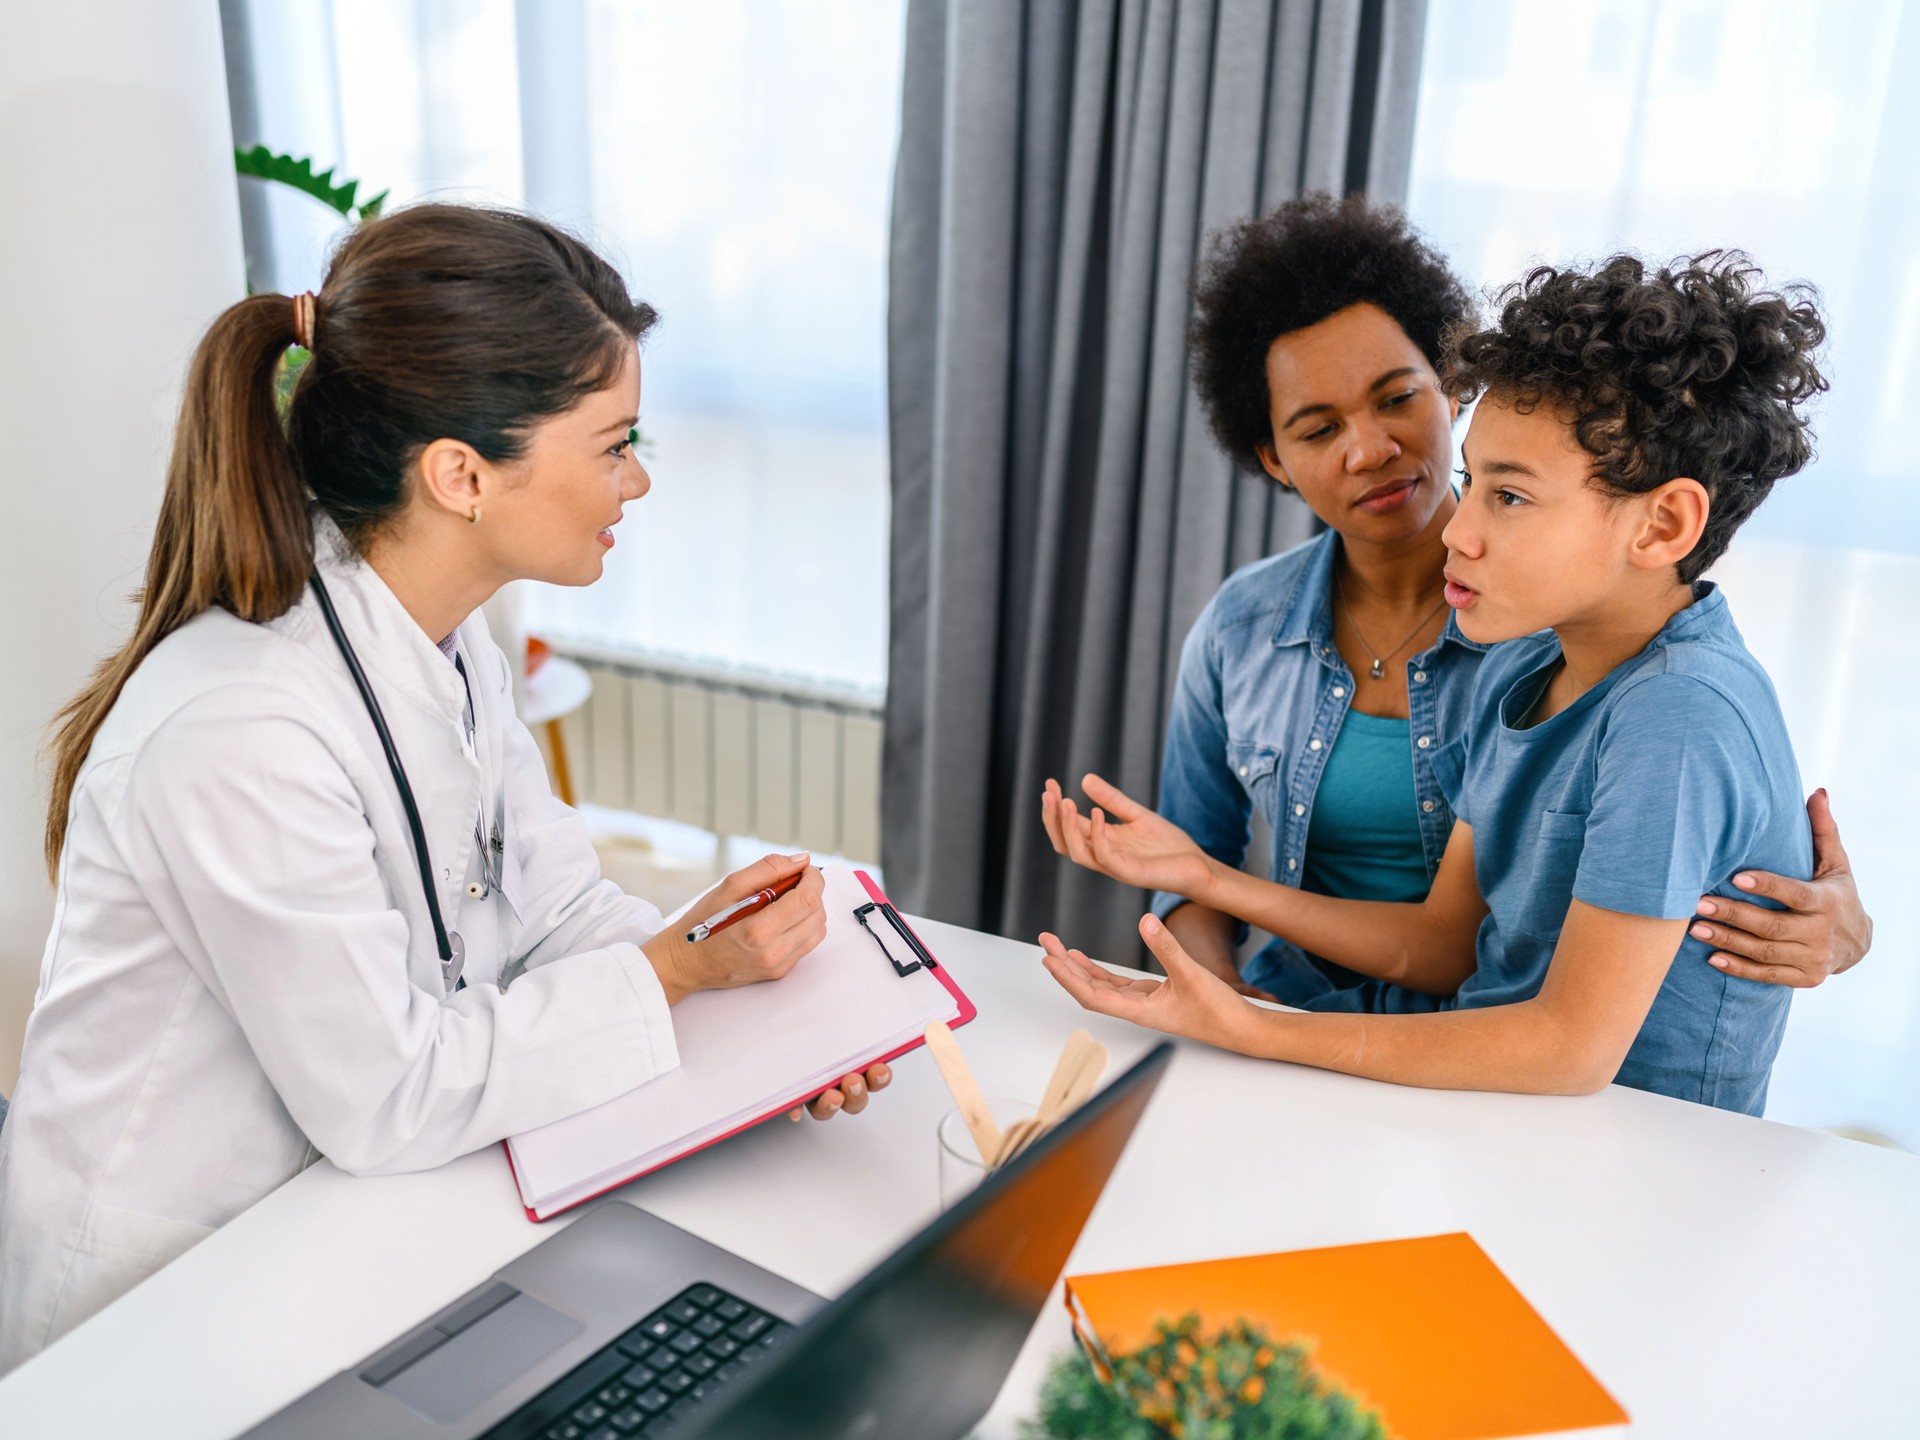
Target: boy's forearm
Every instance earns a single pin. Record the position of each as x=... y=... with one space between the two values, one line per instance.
x=1519 y=1048
x=1404 y=944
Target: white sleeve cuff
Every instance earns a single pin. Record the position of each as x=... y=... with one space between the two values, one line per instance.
x=653 y=1004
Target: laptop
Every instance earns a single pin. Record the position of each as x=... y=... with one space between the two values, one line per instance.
x=625 y=1325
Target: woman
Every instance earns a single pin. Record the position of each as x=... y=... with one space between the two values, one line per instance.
x=1319 y=684
x=265 y=947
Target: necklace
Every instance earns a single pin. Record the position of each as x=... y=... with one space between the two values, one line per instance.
x=1378 y=670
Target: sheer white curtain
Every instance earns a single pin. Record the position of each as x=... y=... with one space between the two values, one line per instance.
x=734 y=157
x=1788 y=130
x=1665 y=126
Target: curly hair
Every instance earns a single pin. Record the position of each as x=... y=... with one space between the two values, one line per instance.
x=1291 y=268
x=1690 y=370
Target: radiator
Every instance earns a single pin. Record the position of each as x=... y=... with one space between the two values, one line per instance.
x=740 y=753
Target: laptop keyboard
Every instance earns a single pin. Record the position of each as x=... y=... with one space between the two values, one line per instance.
x=653 y=1376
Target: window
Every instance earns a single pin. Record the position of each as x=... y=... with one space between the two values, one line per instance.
x=1666 y=126
x=734 y=158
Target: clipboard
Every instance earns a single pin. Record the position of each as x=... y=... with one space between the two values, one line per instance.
x=872 y=931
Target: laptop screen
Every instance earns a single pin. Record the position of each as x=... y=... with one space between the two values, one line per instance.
x=922 y=1345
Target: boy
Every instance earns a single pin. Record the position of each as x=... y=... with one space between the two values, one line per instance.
x=1614 y=770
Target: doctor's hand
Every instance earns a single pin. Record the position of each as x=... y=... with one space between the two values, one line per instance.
x=764 y=946
x=849 y=1095
x=1192 y=1000
x=1135 y=846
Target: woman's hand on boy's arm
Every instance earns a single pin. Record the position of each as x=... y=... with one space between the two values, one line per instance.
x=1823 y=931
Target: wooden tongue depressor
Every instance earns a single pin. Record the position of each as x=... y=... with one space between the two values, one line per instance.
x=1021 y=1132
x=1016 y=1139
x=1089 y=1063
x=1063 y=1073
x=1086 y=1077
x=966 y=1094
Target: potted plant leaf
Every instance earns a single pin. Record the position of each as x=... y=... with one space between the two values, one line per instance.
x=1232 y=1384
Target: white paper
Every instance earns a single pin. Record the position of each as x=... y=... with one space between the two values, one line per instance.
x=743 y=1053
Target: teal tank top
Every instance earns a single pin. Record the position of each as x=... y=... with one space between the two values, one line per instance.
x=1363 y=839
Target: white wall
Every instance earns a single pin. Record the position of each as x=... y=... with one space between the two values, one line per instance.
x=121 y=243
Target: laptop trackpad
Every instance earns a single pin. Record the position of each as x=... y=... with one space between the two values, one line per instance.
x=448 y=1382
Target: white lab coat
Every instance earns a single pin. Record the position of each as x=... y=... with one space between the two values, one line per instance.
x=242 y=974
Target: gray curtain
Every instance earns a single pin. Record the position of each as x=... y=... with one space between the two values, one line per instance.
x=1060 y=514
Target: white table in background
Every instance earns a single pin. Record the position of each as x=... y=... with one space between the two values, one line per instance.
x=1722 y=1276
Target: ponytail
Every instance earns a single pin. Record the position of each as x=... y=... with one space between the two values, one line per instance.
x=233 y=528
x=434 y=321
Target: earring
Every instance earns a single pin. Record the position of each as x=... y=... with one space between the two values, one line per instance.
x=473 y=516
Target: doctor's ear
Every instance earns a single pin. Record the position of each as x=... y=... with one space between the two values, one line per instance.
x=448 y=474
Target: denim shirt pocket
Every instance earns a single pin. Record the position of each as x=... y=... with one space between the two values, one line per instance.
x=1553 y=865
x=1256 y=766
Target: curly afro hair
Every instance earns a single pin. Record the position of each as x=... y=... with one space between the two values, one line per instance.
x=1292 y=268
x=1689 y=370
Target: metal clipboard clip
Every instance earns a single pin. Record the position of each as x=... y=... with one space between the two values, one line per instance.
x=903 y=935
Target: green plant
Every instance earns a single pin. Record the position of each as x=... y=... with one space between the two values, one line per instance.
x=1234 y=1384
x=265 y=164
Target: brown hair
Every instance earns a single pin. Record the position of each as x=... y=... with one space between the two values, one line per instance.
x=436 y=321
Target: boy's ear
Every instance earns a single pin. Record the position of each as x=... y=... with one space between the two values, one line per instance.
x=1673 y=516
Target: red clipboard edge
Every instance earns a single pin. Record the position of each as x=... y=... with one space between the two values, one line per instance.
x=941 y=973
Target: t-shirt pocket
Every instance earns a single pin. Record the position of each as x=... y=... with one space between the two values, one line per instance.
x=1551 y=868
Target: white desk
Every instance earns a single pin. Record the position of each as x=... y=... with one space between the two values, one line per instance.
x=1720 y=1275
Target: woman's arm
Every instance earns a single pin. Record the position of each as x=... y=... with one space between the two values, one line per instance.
x=1209 y=937
x=1570 y=1039
x=1427 y=946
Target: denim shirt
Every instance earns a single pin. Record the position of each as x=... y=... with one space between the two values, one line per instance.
x=1258 y=704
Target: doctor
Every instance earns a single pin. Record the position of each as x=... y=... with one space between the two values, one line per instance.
x=315 y=896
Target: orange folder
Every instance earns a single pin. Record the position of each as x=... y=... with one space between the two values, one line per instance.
x=1427 y=1332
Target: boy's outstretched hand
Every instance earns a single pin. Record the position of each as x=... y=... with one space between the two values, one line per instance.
x=1122 y=838
x=1822 y=931
x=1192 y=1000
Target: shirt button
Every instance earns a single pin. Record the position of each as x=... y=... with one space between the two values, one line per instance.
x=1424 y=741
x=1421 y=676
x=1299 y=809
x=1339 y=692
x=1313 y=744
x=1293 y=864
x=1243 y=772
x=1427 y=805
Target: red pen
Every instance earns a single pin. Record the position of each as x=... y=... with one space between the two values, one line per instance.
x=739 y=910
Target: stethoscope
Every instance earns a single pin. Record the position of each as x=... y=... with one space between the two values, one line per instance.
x=453 y=951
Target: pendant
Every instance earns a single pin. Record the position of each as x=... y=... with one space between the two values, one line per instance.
x=1378 y=670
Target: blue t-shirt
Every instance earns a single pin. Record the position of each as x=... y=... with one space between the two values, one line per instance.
x=1363 y=836
x=1656 y=787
